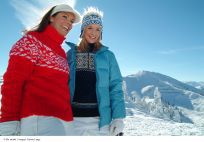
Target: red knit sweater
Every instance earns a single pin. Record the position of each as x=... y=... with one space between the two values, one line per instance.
x=36 y=80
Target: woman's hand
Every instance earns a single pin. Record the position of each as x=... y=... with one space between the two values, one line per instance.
x=116 y=127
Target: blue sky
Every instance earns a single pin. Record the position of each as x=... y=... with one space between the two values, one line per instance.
x=165 y=36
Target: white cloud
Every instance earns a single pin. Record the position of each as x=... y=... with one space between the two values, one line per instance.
x=174 y=51
x=30 y=12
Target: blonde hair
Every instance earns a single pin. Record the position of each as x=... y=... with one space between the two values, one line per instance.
x=83 y=45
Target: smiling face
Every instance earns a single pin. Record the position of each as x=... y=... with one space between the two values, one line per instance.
x=92 y=33
x=63 y=22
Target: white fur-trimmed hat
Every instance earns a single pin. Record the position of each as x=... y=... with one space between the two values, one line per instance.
x=67 y=8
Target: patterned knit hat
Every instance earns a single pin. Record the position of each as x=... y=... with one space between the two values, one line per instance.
x=91 y=16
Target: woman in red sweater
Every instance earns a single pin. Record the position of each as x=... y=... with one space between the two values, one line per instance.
x=35 y=93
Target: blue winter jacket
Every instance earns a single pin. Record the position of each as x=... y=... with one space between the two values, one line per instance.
x=109 y=91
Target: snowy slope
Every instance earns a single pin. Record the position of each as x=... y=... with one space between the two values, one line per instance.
x=156 y=104
x=141 y=124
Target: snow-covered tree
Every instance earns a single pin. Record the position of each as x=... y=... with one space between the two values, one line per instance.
x=159 y=107
x=124 y=87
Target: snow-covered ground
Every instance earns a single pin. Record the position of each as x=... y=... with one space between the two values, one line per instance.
x=141 y=124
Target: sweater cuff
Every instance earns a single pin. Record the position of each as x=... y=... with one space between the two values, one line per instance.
x=10 y=128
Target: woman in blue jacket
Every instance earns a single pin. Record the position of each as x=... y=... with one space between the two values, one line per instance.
x=95 y=82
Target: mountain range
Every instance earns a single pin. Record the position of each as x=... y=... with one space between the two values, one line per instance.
x=198 y=85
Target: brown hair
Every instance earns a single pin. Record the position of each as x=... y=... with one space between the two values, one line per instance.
x=83 y=45
x=43 y=23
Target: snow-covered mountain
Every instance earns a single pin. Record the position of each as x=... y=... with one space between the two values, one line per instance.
x=198 y=85
x=164 y=97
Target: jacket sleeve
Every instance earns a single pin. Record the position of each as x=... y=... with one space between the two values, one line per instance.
x=69 y=55
x=20 y=67
x=116 y=91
